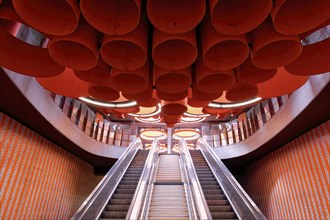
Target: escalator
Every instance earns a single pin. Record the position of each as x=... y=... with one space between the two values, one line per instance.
x=168 y=200
x=151 y=185
x=217 y=202
x=120 y=201
x=112 y=197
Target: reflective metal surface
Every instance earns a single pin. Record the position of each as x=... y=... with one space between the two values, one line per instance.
x=243 y=205
x=143 y=190
x=194 y=186
x=93 y=206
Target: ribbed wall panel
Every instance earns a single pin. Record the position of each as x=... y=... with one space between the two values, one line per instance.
x=39 y=180
x=293 y=181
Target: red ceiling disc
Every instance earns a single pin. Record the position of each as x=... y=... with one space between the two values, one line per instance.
x=57 y=18
x=174 y=52
x=173 y=17
x=288 y=15
x=112 y=17
x=239 y=16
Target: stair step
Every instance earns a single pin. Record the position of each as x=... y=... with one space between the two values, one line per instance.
x=223 y=208
x=126 y=182
x=217 y=202
x=107 y=214
x=117 y=207
x=125 y=191
x=121 y=186
x=213 y=192
x=214 y=197
x=223 y=215
x=122 y=196
x=120 y=201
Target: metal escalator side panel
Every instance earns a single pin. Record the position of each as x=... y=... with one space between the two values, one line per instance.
x=190 y=203
x=119 y=203
x=141 y=196
x=198 y=206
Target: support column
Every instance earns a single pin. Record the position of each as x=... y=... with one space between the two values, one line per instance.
x=169 y=140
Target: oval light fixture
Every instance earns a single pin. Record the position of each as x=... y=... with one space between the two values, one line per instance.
x=151 y=134
x=187 y=134
x=234 y=104
x=108 y=104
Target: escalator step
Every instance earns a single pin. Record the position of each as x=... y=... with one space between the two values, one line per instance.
x=124 y=182
x=208 y=179
x=211 y=191
x=214 y=196
x=226 y=208
x=223 y=215
x=130 y=179
x=125 y=191
x=217 y=202
x=117 y=207
x=120 y=202
x=121 y=186
x=209 y=183
x=122 y=196
x=107 y=214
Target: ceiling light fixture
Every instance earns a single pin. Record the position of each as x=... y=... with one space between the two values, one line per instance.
x=233 y=105
x=187 y=134
x=108 y=104
x=195 y=115
x=151 y=134
x=192 y=119
x=148 y=120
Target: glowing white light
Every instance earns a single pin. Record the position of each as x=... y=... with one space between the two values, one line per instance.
x=94 y=102
x=126 y=104
x=152 y=134
x=108 y=104
x=197 y=115
x=192 y=120
x=233 y=105
x=187 y=134
x=148 y=120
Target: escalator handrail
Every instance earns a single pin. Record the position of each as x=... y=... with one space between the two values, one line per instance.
x=141 y=191
x=199 y=199
x=98 y=194
x=187 y=188
x=252 y=211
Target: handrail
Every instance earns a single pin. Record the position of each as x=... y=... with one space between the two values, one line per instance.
x=187 y=186
x=93 y=206
x=196 y=189
x=243 y=205
x=142 y=191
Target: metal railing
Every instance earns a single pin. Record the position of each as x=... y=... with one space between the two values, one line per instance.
x=93 y=206
x=246 y=124
x=243 y=205
x=138 y=208
x=85 y=119
x=195 y=192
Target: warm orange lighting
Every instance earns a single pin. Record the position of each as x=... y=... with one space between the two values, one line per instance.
x=151 y=134
x=187 y=134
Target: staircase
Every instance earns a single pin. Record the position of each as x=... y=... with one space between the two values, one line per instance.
x=216 y=200
x=168 y=199
x=120 y=201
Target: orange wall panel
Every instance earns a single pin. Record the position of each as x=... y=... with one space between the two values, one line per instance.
x=293 y=181
x=39 y=180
